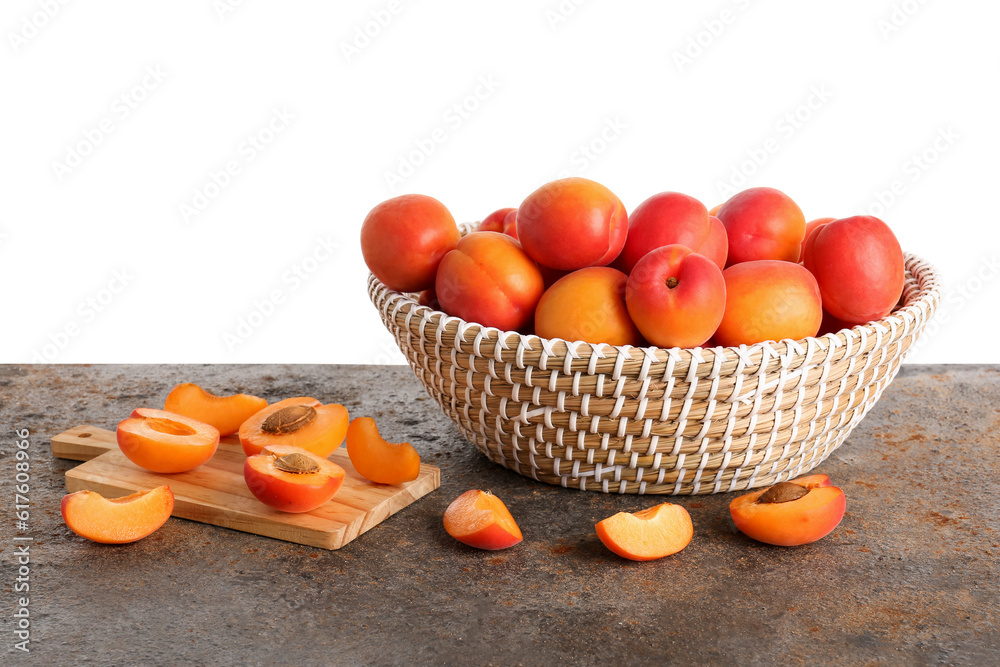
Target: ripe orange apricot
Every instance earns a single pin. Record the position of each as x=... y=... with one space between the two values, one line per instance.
x=225 y=413
x=587 y=305
x=494 y=221
x=572 y=223
x=117 y=520
x=676 y=297
x=647 y=534
x=789 y=514
x=404 y=238
x=762 y=223
x=377 y=460
x=859 y=267
x=769 y=300
x=481 y=520
x=292 y=479
x=303 y=422
x=672 y=217
x=162 y=441
x=489 y=279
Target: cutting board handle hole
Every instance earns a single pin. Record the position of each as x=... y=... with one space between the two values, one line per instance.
x=84 y=435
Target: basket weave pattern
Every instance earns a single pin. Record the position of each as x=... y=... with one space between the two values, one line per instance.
x=656 y=420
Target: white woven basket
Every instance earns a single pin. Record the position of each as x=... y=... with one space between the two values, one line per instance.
x=655 y=420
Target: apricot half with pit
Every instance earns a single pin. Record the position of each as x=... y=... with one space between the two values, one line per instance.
x=790 y=513
x=292 y=479
x=300 y=422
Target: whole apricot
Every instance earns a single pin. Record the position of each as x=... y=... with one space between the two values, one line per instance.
x=859 y=266
x=762 y=223
x=403 y=240
x=587 y=305
x=769 y=300
x=571 y=224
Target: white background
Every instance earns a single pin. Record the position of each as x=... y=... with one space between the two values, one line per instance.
x=834 y=101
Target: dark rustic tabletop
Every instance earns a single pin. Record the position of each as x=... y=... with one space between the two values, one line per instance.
x=909 y=577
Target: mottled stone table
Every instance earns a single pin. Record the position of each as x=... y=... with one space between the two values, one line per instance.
x=909 y=577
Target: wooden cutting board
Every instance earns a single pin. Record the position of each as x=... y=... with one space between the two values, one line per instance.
x=216 y=492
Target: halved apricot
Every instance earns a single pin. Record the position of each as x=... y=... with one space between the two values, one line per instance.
x=301 y=422
x=162 y=441
x=789 y=514
x=292 y=479
x=377 y=460
x=225 y=413
x=481 y=520
x=647 y=534
x=117 y=520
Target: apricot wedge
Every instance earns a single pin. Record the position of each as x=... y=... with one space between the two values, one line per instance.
x=165 y=442
x=292 y=479
x=789 y=514
x=117 y=520
x=225 y=413
x=300 y=422
x=481 y=520
x=647 y=534
x=377 y=460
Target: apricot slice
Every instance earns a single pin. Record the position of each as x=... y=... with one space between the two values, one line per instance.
x=165 y=442
x=377 y=460
x=789 y=514
x=292 y=479
x=225 y=413
x=301 y=422
x=481 y=520
x=647 y=534
x=117 y=520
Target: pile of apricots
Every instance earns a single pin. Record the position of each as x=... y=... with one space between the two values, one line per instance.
x=287 y=445
x=793 y=513
x=571 y=263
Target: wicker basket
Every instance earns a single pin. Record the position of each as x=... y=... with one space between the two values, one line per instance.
x=656 y=420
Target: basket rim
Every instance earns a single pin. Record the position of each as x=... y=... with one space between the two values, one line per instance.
x=919 y=307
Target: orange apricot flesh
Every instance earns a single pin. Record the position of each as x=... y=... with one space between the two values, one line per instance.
x=117 y=520
x=649 y=534
x=301 y=422
x=377 y=460
x=792 y=523
x=165 y=442
x=225 y=413
x=812 y=481
x=481 y=520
